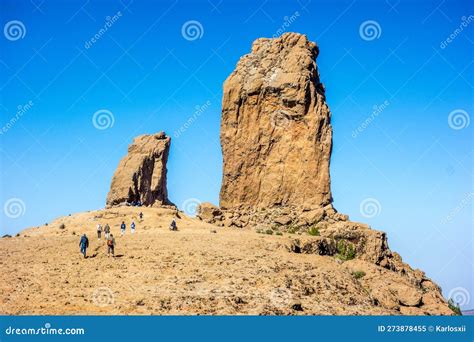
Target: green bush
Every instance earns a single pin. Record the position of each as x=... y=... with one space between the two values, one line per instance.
x=292 y=229
x=269 y=231
x=358 y=274
x=278 y=233
x=313 y=231
x=454 y=307
x=345 y=250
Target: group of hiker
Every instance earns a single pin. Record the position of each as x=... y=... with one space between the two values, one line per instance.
x=109 y=237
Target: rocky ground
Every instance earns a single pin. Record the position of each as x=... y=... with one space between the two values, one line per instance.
x=203 y=269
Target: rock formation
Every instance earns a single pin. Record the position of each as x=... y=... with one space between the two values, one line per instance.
x=276 y=134
x=276 y=139
x=141 y=174
x=309 y=259
x=209 y=213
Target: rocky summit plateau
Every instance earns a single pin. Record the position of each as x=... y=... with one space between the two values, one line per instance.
x=274 y=245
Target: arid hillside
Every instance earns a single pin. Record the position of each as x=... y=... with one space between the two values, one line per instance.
x=200 y=269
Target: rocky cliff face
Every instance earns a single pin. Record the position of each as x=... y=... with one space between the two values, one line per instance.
x=276 y=139
x=276 y=134
x=141 y=174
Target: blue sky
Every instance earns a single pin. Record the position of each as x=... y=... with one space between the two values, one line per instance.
x=410 y=160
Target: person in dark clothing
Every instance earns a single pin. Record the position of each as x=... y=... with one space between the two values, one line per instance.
x=173 y=225
x=84 y=244
x=123 y=227
x=141 y=216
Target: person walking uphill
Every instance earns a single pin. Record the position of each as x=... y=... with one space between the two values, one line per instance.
x=122 y=228
x=132 y=227
x=110 y=245
x=84 y=244
x=107 y=230
x=99 y=231
x=173 y=225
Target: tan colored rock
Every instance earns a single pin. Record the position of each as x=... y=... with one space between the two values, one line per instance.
x=141 y=174
x=340 y=217
x=437 y=309
x=314 y=245
x=208 y=212
x=371 y=245
x=410 y=311
x=407 y=296
x=311 y=216
x=282 y=220
x=432 y=298
x=276 y=134
x=329 y=210
x=385 y=298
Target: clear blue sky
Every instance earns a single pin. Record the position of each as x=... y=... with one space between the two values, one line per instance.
x=143 y=70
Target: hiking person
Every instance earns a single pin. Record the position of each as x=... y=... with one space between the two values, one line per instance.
x=84 y=244
x=173 y=225
x=122 y=228
x=110 y=245
x=132 y=227
x=107 y=230
x=141 y=216
x=99 y=231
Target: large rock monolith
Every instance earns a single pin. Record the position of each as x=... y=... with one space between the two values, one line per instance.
x=141 y=174
x=276 y=133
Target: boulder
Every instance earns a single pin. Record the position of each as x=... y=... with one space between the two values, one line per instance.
x=407 y=295
x=140 y=177
x=282 y=220
x=208 y=212
x=371 y=245
x=311 y=217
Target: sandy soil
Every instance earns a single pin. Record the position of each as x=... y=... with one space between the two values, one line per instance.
x=200 y=269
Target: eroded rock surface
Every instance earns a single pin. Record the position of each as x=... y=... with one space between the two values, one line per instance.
x=140 y=177
x=276 y=139
x=276 y=134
